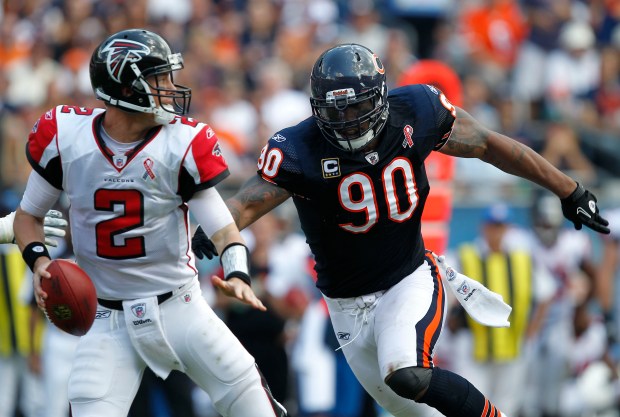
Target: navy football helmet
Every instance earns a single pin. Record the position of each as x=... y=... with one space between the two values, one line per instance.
x=120 y=66
x=349 y=96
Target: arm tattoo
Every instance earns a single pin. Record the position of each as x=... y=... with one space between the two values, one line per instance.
x=255 y=198
x=468 y=138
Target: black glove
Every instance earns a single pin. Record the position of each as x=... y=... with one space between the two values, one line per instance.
x=580 y=208
x=202 y=245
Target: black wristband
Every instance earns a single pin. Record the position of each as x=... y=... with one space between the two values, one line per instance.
x=575 y=195
x=34 y=251
x=235 y=261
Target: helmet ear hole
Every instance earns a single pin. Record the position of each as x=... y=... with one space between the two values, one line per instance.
x=126 y=92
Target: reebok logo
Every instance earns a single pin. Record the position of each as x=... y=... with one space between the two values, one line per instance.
x=102 y=314
x=139 y=322
x=344 y=336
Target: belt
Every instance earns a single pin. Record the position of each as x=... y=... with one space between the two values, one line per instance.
x=118 y=304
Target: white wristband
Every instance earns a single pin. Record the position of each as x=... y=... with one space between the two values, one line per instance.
x=235 y=261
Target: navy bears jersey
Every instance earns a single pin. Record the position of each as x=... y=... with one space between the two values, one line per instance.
x=361 y=212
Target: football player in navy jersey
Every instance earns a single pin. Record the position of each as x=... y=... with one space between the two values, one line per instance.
x=355 y=171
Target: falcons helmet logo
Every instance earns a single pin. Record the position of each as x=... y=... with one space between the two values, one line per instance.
x=120 y=52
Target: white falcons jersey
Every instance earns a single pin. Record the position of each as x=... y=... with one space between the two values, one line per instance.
x=128 y=214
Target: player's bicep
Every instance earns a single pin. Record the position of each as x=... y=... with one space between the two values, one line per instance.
x=254 y=199
x=468 y=139
x=39 y=196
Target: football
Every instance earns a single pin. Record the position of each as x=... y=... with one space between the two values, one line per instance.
x=71 y=302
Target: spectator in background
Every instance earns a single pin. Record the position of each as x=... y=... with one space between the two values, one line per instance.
x=235 y=118
x=21 y=389
x=606 y=288
x=501 y=260
x=572 y=74
x=607 y=95
x=589 y=385
x=494 y=31
x=437 y=73
x=363 y=26
x=561 y=147
x=545 y=18
x=567 y=255
x=278 y=102
x=31 y=77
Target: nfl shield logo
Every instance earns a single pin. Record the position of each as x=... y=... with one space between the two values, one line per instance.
x=463 y=288
x=119 y=161
x=372 y=158
x=139 y=310
x=187 y=297
x=451 y=274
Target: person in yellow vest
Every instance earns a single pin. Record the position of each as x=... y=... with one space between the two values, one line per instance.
x=20 y=345
x=500 y=259
x=17 y=345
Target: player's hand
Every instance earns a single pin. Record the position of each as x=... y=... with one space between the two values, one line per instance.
x=202 y=245
x=238 y=289
x=6 y=229
x=40 y=272
x=53 y=226
x=580 y=208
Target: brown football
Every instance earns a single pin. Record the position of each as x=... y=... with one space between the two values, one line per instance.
x=71 y=302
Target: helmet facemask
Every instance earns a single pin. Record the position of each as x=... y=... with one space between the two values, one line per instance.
x=156 y=96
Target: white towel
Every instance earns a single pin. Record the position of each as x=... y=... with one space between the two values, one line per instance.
x=483 y=305
x=147 y=336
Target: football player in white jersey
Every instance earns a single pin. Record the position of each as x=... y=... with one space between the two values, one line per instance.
x=567 y=255
x=132 y=172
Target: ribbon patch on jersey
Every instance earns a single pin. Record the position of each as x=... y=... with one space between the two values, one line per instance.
x=408 y=131
x=148 y=168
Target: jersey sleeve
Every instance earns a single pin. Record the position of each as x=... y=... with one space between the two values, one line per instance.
x=42 y=149
x=204 y=165
x=279 y=163
x=444 y=114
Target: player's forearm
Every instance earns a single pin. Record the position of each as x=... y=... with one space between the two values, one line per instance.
x=254 y=199
x=518 y=159
x=28 y=229
x=226 y=236
x=469 y=139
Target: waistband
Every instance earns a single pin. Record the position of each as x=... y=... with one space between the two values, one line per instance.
x=360 y=302
x=118 y=304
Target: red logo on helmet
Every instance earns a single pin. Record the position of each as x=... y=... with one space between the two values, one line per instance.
x=120 y=52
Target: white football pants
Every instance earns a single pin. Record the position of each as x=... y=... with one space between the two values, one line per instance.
x=107 y=369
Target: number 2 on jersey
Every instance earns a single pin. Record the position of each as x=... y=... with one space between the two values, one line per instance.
x=132 y=202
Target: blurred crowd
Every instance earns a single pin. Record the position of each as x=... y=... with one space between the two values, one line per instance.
x=545 y=72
